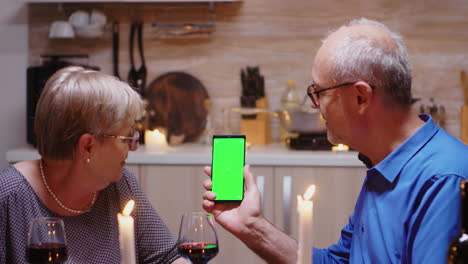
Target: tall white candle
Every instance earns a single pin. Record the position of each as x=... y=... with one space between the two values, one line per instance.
x=127 y=234
x=305 y=210
x=155 y=141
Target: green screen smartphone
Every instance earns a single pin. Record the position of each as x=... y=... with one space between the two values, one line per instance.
x=227 y=167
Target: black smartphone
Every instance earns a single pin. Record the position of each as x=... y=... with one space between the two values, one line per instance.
x=227 y=168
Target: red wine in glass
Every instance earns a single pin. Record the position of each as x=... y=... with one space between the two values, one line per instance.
x=46 y=241
x=46 y=253
x=198 y=253
x=197 y=237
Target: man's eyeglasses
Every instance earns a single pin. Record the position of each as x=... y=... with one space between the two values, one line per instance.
x=131 y=140
x=313 y=91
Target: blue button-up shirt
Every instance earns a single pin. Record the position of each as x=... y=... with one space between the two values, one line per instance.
x=409 y=206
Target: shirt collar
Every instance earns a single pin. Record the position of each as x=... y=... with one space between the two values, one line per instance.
x=391 y=166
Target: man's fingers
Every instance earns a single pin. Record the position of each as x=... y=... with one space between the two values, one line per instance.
x=249 y=178
x=207 y=170
x=207 y=184
x=209 y=196
x=208 y=206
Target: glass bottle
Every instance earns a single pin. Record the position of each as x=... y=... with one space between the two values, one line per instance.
x=458 y=249
x=290 y=99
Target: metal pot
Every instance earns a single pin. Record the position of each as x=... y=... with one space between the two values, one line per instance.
x=301 y=121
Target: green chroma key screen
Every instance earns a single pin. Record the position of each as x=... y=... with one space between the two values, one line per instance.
x=227 y=167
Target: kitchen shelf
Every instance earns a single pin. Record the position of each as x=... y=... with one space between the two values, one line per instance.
x=127 y=1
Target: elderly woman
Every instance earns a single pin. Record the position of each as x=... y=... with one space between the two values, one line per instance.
x=84 y=128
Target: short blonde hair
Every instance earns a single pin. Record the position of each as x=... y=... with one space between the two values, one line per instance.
x=77 y=101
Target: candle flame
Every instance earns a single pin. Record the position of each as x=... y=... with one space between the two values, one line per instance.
x=309 y=192
x=340 y=147
x=128 y=208
x=156 y=132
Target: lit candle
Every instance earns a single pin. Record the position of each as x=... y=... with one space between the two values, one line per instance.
x=155 y=141
x=340 y=147
x=305 y=210
x=127 y=235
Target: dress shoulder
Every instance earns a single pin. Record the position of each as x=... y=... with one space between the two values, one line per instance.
x=10 y=181
x=128 y=175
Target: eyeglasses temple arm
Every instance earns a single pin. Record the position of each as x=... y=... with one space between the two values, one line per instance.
x=306 y=97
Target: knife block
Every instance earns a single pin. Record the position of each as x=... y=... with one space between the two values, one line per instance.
x=464 y=124
x=258 y=130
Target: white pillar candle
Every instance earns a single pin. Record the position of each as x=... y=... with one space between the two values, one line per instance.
x=127 y=234
x=305 y=210
x=155 y=141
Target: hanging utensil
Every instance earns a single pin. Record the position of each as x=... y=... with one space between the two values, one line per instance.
x=132 y=74
x=115 y=47
x=142 y=72
x=167 y=30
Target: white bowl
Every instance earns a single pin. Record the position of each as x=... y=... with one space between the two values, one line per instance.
x=79 y=18
x=97 y=17
x=61 y=29
x=89 y=31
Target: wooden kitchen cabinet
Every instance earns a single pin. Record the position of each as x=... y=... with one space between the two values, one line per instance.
x=176 y=189
x=337 y=189
x=173 y=190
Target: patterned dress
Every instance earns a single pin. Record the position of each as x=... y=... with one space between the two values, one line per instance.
x=92 y=237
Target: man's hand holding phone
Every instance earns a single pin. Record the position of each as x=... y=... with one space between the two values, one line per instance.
x=232 y=195
x=235 y=218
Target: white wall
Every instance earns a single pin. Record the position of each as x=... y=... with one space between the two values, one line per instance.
x=13 y=64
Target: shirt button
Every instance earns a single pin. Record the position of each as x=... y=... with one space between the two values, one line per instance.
x=362 y=229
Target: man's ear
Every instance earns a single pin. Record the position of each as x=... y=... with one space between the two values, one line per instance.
x=85 y=146
x=364 y=96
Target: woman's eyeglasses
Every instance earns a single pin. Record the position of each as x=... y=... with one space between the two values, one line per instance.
x=131 y=140
x=313 y=91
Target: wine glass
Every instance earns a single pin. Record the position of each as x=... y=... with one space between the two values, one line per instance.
x=197 y=237
x=46 y=241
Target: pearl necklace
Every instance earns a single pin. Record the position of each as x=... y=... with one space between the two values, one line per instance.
x=55 y=196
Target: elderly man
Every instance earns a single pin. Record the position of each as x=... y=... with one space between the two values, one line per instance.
x=408 y=208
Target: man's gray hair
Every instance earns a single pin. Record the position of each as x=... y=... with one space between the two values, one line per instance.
x=385 y=67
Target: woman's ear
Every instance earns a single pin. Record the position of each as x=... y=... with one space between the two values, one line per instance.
x=364 y=96
x=85 y=145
